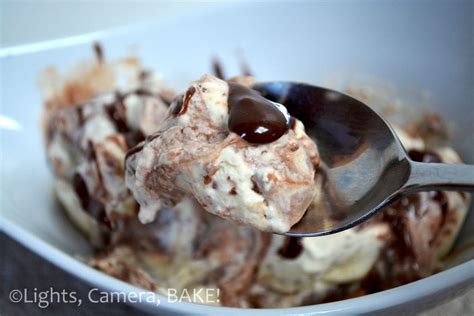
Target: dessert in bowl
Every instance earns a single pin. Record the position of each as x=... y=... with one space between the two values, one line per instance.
x=152 y=178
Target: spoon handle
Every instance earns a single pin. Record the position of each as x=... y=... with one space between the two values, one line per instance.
x=439 y=176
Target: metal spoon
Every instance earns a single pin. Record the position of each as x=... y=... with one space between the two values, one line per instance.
x=364 y=165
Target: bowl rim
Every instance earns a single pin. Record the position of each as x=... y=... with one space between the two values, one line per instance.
x=452 y=277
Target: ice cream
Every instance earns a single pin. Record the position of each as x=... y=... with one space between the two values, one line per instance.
x=239 y=155
x=91 y=125
x=186 y=248
x=86 y=143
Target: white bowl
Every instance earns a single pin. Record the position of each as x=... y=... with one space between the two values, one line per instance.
x=414 y=46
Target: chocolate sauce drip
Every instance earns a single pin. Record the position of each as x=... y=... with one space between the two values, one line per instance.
x=442 y=200
x=254 y=118
x=291 y=248
x=395 y=216
x=89 y=204
x=440 y=197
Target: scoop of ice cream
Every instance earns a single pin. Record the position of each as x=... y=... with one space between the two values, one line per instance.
x=263 y=176
x=86 y=145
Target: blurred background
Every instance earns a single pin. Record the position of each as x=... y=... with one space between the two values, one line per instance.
x=29 y=21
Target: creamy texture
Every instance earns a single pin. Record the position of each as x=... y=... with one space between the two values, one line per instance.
x=267 y=186
x=86 y=145
x=186 y=248
x=340 y=258
x=88 y=132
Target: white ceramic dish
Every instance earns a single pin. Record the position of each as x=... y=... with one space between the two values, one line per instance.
x=415 y=46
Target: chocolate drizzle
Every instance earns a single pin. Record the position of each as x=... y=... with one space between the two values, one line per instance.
x=187 y=99
x=92 y=206
x=254 y=118
x=118 y=115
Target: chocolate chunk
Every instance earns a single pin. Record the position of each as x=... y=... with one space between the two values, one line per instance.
x=254 y=118
x=207 y=179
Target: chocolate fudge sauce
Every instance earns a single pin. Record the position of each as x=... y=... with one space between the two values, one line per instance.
x=92 y=206
x=254 y=118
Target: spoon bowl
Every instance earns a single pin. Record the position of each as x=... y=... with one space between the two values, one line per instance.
x=364 y=166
